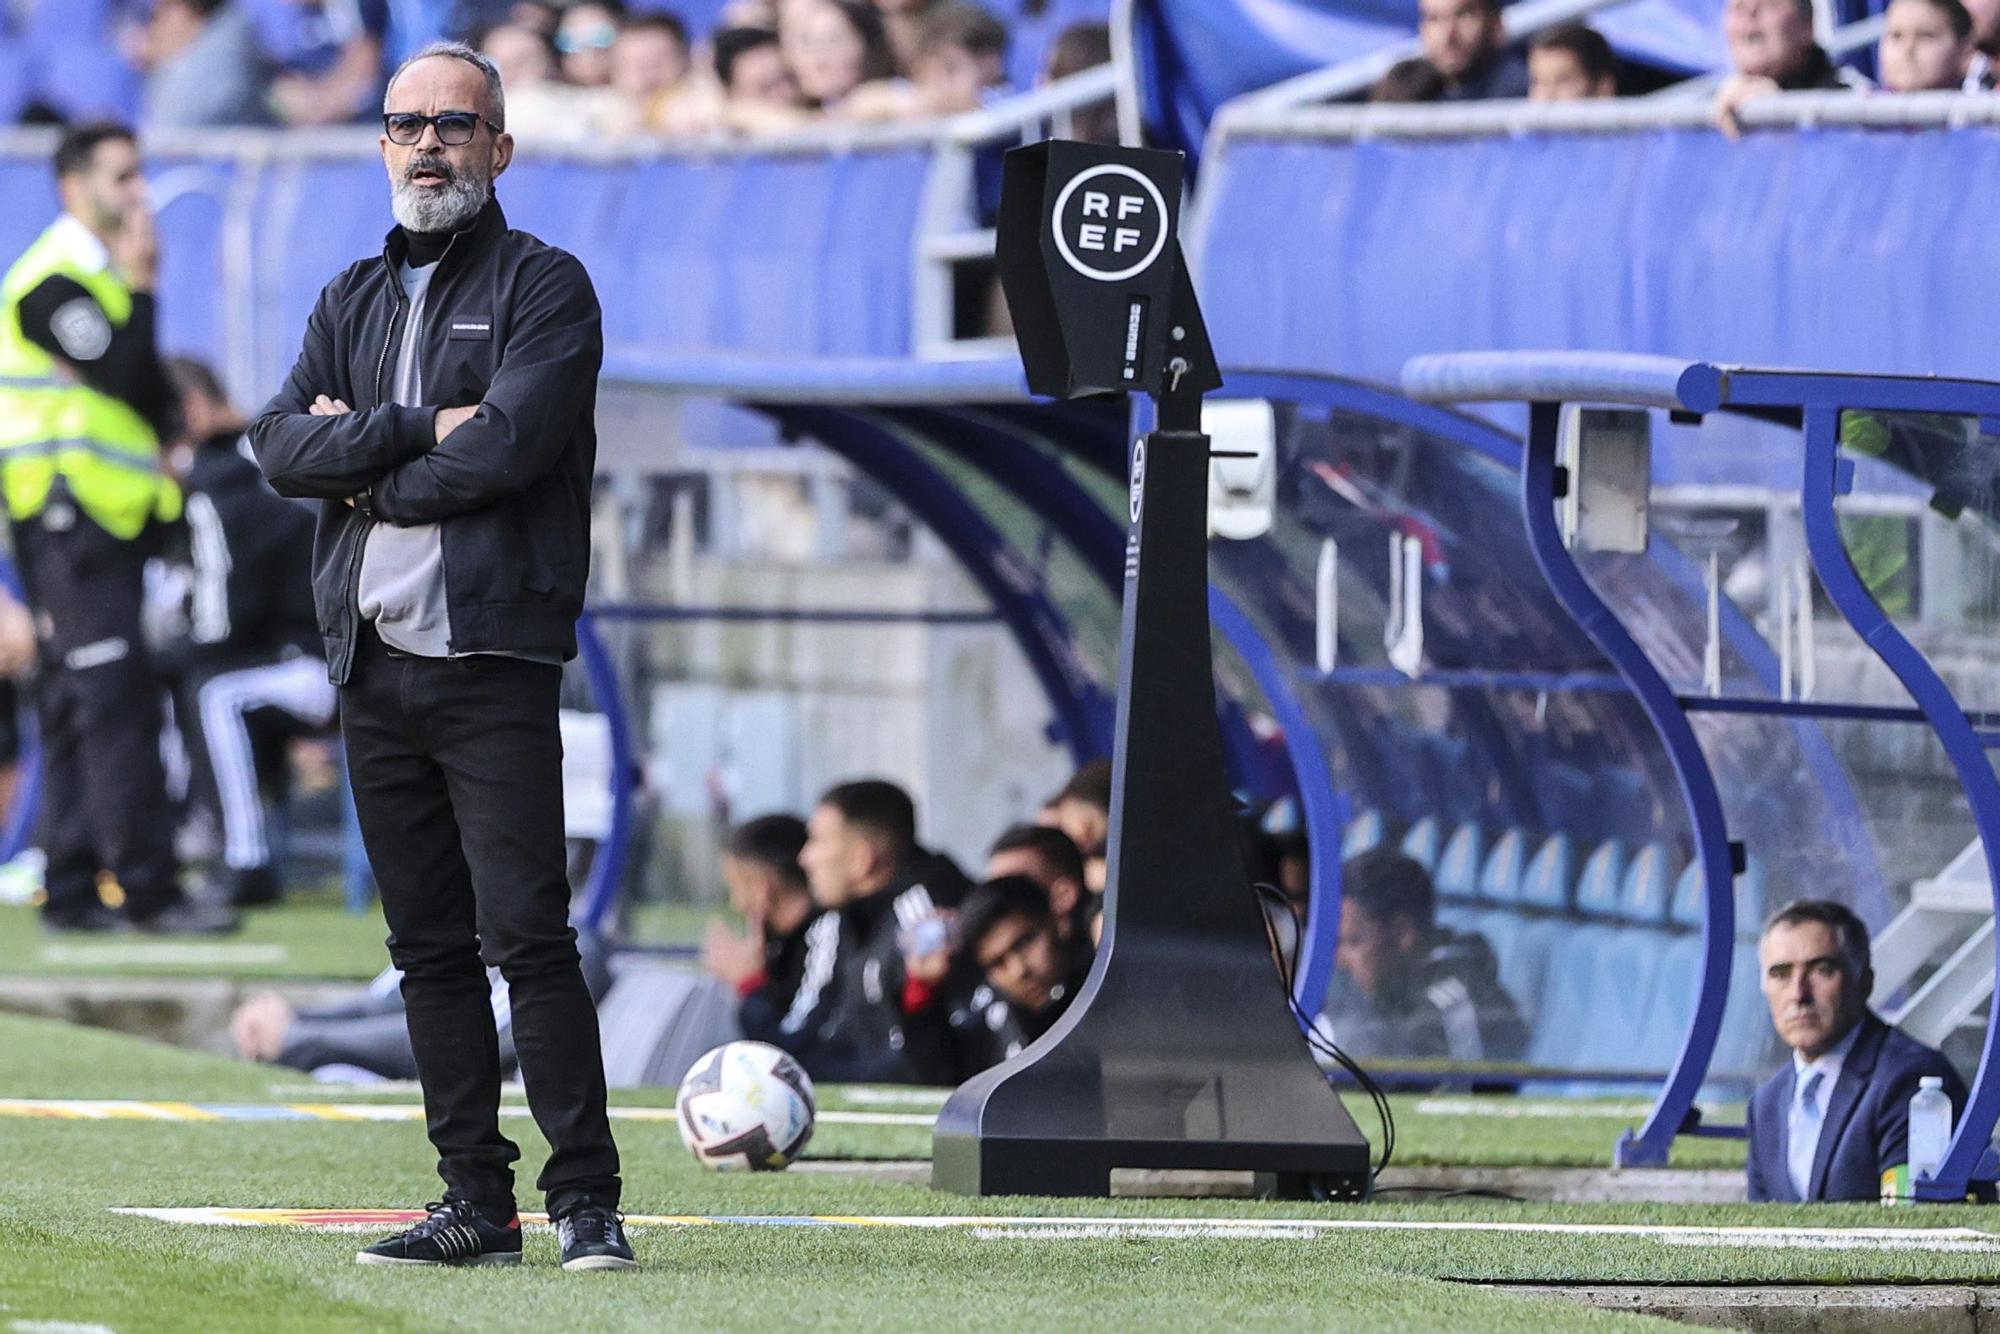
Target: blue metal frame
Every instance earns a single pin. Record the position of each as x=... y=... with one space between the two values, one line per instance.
x=1813 y=403
x=607 y=867
x=1039 y=628
x=1674 y=1109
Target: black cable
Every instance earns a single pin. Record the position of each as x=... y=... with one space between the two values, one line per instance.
x=1318 y=1041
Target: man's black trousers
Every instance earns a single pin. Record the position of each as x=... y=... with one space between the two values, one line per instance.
x=457 y=771
x=97 y=701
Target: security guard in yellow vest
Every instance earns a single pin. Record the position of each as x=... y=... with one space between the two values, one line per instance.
x=84 y=403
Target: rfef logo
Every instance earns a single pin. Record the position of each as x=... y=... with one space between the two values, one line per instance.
x=1110 y=222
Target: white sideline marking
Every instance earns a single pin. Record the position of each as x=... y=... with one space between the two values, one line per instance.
x=114 y=1109
x=1954 y=1239
x=869 y=1096
x=186 y=953
x=1514 y=1109
x=57 y=1327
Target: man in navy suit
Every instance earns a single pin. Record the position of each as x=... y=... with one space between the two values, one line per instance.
x=1837 y=1117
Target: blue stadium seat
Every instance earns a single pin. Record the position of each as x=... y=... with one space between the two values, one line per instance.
x=15 y=79
x=1364 y=831
x=1743 y=1045
x=85 y=81
x=1500 y=874
x=1743 y=1049
x=1420 y=842
x=1526 y=938
x=1643 y=896
x=1583 y=992
x=1456 y=874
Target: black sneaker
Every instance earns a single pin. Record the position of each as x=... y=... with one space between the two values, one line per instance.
x=455 y=1233
x=593 y=1237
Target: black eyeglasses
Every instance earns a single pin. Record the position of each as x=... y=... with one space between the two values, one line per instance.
x=453 y=127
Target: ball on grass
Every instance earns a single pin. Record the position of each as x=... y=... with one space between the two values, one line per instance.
x=746 y=1106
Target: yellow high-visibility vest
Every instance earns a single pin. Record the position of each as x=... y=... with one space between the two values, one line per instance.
x=52 y=426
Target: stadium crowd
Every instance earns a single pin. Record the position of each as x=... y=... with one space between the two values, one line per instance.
x=1926 y=46
x=581 y=71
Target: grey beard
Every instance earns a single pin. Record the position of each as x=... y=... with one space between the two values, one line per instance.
x=446 y=208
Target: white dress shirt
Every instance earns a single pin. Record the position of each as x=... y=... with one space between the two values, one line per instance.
x=1812 y=1080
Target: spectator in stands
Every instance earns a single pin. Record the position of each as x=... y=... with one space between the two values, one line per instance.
x=1047 y=857
x=1979 y=74
x=253 y=660
x=1024 y=973
x=883 y=897
x=1772 y=49
x=1082 y=809
x=768 y=890
x=757 y=85
x=202 y=66
x=1412 y=80
x=834 y=47
x=959 y=62
x=1467 y=43
x=329 y=54
x=1926 y=46
x=1571 y=62
x=1079 y=47
x=524 y=57
x=584 y=39
x=649 y=71
x=540 y=107
x=903 y=24
x=1408 y=988
x=1837 y=1117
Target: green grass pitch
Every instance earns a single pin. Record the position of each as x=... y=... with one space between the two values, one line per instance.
x=63 y=1257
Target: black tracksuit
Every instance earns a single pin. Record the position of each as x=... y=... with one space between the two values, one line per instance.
x=456 y=761
x=97 y=699
x=766 y=998
x=848 y=1021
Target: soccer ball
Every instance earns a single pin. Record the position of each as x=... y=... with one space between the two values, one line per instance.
x=746 y=1106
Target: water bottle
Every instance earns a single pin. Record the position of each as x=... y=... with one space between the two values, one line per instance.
x=1930 y=1127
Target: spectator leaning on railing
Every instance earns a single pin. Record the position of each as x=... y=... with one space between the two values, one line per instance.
x=649 y=73
x=1412 y=80
x=1772 y=50
x=202 y=66
x=1571 y=62
x=1926 y=46
x=1985 y=44
x=1465 y=41
x=585 y=37
x=834 y=47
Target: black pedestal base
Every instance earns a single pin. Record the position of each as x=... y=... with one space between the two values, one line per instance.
x=1181 y=1052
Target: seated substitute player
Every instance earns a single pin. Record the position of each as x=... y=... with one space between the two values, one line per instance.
x=1837 y=1117
x=1023 y=973
x=1408 y=988
x=883 y=897
x=1047 y=856
x=768 y=890
x=367 y=1036
x=253 y=652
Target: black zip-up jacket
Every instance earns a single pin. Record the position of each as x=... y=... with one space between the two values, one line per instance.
x=847 y=1022
x=510 y=324
x=251 y=556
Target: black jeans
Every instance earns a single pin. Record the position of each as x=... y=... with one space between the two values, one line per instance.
x=104 y=790
x=457 y=771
